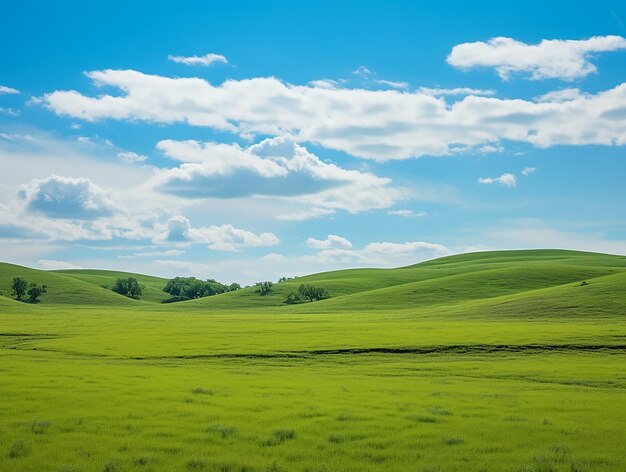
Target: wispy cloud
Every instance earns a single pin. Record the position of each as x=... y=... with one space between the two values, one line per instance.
x=508 y=180
x=8 y=90
x=50 y=264
x=206 y=60
x=439 y=92
x=408 y=213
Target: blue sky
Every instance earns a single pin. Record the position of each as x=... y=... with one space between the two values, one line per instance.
x=245 y=141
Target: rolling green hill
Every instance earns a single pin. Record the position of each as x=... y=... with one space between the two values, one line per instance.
x=452 y=280
x=486 y=279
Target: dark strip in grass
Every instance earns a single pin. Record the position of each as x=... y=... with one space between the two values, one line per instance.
x=462 y=349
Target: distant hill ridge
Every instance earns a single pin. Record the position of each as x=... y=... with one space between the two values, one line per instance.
x=502 y=282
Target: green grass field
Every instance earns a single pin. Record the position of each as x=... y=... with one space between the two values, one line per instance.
x=497 y=361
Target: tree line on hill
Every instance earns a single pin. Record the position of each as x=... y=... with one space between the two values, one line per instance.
x=190 y=288
x=180 y=289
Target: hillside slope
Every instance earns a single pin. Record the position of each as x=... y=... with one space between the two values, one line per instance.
x=448 y=280
x=62 y=289
x=152 y=286
x=504 y=283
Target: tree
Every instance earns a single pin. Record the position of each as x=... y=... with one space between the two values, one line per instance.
x=19 y=288
x=264 y=287
x=234 y=286
x=312 y=293
x=128 y=286
x=35 y=291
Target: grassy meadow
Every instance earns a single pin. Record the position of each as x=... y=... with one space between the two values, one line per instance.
x=500 y=361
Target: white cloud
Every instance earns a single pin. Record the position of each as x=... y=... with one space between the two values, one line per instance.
x=384 y=254
x=120 y=207
x=438 y=92
x=8 y=90
x=219 y=238
x=407 y=213
x=48 y=264
x=130 y=157
x=393 y=84
x=67 y=198
x=324 y=83
x=375 y=124
x=550 y=59
x=332 y=241
x=507 y=180
x=205 y=60
x=528 y=170
x=560 y=96
x=276 y=167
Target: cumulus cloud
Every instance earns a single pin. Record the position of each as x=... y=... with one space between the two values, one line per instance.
x=276 y=167
x=528 y=170
x=219 y=238
x=332 y=241
x=7 y=90
x=206 y=60
x=407 y=213
x=67 y=198
x=374 y=124
x=507 y=180
x=550 y=59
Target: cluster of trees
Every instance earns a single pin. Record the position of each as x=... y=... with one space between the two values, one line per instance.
x=21 y=288
x=307 y=293
x=188 y=288
x=264 y=287
x=128 y=286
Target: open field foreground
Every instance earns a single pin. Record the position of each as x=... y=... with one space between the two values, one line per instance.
x=497 y=361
